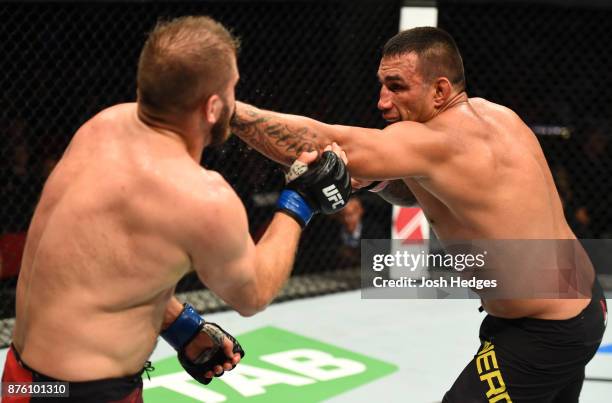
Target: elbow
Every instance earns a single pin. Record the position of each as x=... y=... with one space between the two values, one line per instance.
x=246 y=313
x=248 y=310
x=255 y=304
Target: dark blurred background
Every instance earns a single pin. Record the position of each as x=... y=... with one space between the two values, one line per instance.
x=64 y=62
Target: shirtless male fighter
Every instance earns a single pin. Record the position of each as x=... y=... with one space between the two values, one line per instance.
x=478 y=172
x=128 y=211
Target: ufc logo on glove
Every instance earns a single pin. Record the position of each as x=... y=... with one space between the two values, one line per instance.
x=333 y=195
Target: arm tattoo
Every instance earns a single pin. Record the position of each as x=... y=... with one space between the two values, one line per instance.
x=272 y=135
x=397 y=193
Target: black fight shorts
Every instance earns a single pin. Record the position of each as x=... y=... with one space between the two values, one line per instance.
x=532 y=360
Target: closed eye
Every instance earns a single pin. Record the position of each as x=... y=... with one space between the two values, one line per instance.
x=396 y=87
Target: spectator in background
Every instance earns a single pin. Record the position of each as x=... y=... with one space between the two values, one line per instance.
x=351 y=222
x=350 y=232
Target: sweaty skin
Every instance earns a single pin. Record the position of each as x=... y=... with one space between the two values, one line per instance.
x=475 y=167
x=125 y=214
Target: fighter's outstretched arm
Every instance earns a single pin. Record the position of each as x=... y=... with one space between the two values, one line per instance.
x=216 y=235
x=400 y=150
x=247 y=276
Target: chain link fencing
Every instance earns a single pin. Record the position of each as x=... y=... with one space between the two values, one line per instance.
x=64 y=62
x=550 y=64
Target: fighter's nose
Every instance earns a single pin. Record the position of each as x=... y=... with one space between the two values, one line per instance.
x=384 y=101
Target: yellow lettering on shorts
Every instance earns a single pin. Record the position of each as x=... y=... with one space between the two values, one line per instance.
x=488 y=359
x=487 y=346
x=499 y=398
x=488 y=370
x=495 y=388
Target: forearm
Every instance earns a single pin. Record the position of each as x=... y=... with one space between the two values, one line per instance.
x=280 y=137
x=275 y=257
x=173 y=310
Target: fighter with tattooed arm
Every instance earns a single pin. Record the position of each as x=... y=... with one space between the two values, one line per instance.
x=478 y=172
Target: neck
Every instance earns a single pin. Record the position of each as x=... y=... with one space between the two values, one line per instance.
x=184 y=130
x=454 y=100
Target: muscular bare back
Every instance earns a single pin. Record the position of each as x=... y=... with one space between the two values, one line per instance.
x=496 y=184
x=103 y=252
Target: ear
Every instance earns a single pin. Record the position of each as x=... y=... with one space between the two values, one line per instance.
x=443 y=89
x=213 y=108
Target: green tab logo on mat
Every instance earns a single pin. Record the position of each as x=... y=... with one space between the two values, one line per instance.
x=279 y=366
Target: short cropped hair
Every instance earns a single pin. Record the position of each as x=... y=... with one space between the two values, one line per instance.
x=436 y=50
x=183 y=62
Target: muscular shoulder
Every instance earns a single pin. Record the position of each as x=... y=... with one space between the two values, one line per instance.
x=209 y=203
x=501 y=111
x=200 y=188
x=101 y=128
x=215 y=191
x=214 y=218
x=112 y=113
x=430 y=139
x=418 y=133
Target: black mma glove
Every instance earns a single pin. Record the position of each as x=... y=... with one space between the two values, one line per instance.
x=323 y=186
x=184 y=329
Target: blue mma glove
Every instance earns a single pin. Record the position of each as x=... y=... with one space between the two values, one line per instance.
x=324 y=186
x=184 y=329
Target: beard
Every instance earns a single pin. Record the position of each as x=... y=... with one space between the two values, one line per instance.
x=220 y=131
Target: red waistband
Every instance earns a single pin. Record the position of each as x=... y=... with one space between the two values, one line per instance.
x=14 y=369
